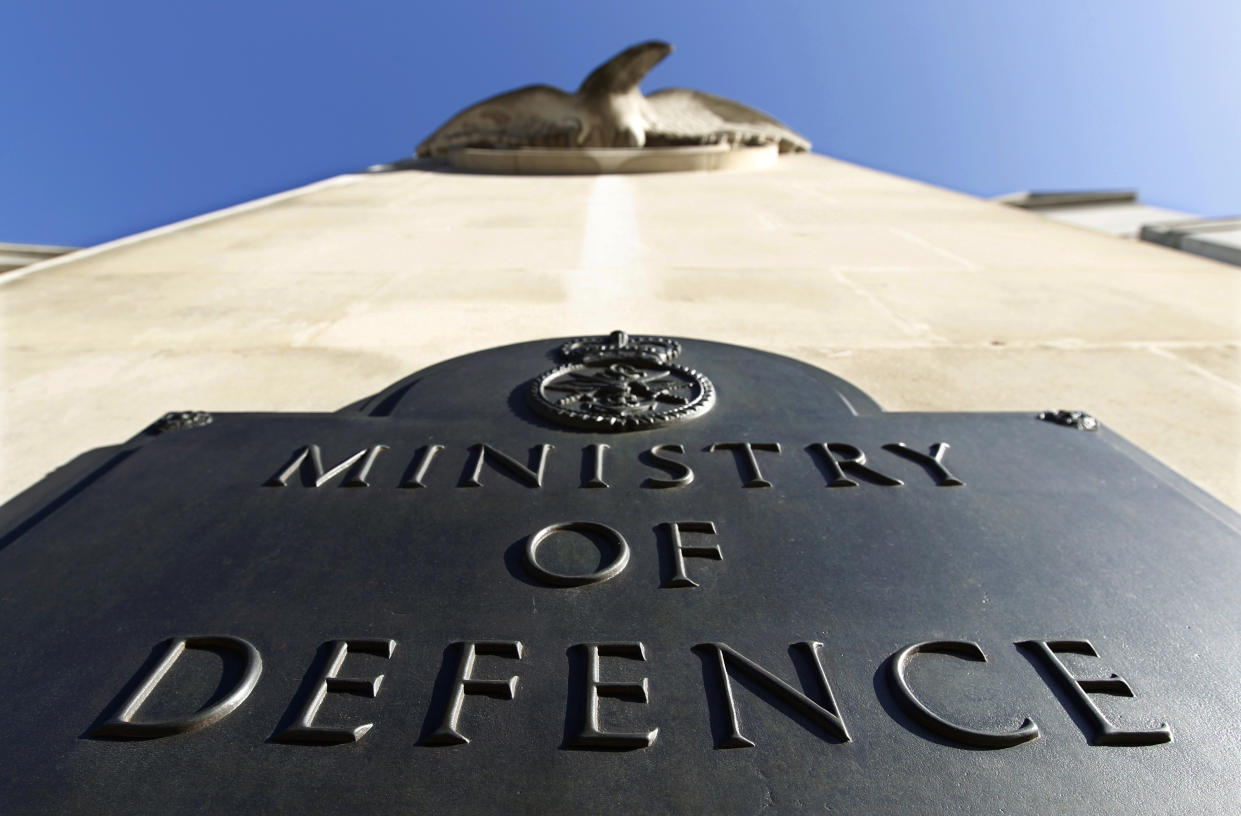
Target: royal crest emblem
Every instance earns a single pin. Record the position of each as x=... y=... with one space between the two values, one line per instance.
x=620 y=383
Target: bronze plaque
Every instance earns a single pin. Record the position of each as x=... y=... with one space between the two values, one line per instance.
x=621 y=574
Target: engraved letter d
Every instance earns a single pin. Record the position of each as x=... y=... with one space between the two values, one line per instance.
x=122 y=724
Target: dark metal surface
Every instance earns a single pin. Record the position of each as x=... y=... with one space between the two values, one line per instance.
x=437 y=601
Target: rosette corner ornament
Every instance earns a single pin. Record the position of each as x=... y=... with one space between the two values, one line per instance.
x=620 y=383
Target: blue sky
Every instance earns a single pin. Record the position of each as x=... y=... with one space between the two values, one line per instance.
x=125 y=115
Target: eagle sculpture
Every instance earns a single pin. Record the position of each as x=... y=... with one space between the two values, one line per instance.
x=608 y=110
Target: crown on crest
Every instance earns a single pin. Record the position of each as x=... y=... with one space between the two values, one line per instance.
x=620 y=346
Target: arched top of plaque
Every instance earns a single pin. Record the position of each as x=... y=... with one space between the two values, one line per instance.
x=618 y=383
